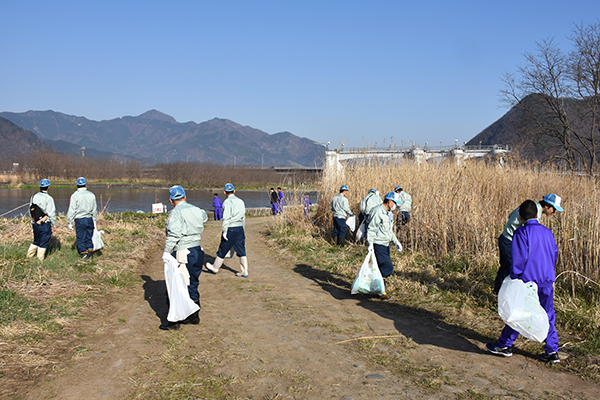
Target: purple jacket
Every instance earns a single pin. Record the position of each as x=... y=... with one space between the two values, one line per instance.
x=534 y=254
x=217 y=203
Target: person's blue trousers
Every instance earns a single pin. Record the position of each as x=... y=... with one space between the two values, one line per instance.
x=339 y=227
x=384 y=261
x=41 y=234
x=236 y=239
x=84 y=229
x=195 y=259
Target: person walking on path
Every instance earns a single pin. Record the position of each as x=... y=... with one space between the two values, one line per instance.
x=234 y=221
x=83 y=212
x=341 y=210
x=183 y=230
x=381 y=233
x=218 y=206
x=547 y=206
x=274 y=201
x=534 y=255
x=280 y=200
x=370 y=201
x=306 y=203
x=43 y=220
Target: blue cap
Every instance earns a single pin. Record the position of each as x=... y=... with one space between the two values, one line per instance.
x=81 y=181
x=176 y=192
x=397 y=188
x=343 y=187
x=229 y=187
x=372 y=191
x=554 y=201
x=392 y=196
x=44 y=183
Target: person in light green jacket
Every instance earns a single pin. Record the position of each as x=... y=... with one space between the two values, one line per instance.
x=43 y=220
x=233 y=236
x=183 y=230
x=381 y=233
x=83 y=211
x=341 y=210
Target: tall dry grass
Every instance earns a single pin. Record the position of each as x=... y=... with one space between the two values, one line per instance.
x=462 y=209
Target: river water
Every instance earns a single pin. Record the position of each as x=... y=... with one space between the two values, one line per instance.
x=127 y=199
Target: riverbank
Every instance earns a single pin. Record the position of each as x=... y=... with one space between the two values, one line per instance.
x=290 y=330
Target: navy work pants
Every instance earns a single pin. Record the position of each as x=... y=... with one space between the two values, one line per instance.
x=236 y=239
x=195 y=259
x=84 y=230
x=505 y=247
x=41 y=234
x=339 y=227
x=384 y=261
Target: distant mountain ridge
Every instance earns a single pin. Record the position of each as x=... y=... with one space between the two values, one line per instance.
x=158 y=137
x=16 y=141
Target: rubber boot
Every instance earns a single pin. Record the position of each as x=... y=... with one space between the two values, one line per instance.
x=341 y=241
x=337 y=240
x=214 y=268
x=194 y=318
x=41 y=253
x=243 y=267
x=169 y=326
x=32 y=250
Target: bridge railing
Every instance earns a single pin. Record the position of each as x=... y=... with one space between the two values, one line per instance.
x=404 y=149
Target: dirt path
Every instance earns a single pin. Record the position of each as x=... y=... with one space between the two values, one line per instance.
x=277 y=334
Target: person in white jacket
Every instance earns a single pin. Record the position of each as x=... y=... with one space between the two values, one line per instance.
x=183 y=230
x=83 y=211
x=381 y=233
x=233 y=236
x=43 y=220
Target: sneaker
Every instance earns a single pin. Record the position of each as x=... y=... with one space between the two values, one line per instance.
x=551 y=358
x=495 y=348
x=210 y=268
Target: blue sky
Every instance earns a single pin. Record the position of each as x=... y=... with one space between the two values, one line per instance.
x=360 y=72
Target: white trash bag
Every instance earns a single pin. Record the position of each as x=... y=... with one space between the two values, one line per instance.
x=369 y=279
x=361 y=232
x=97 y=239
x=519 y=307
x=351 y=223
x=180 y=304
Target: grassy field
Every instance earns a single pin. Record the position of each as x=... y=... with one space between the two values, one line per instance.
x=41 y=302
x=451 y=255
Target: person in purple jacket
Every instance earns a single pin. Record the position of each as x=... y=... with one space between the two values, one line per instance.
x=306 y=203
x=534 y=255
x=218 y=205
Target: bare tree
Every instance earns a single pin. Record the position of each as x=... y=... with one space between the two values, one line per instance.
x=560 y=95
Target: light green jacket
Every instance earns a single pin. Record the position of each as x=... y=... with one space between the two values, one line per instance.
x=234 y=212
x=340 y=206
x=381 y=227
x=369 y=202
x=82 y=205
x=406 y=202
x=46 y=203
x=514 y=222
x=184 y=226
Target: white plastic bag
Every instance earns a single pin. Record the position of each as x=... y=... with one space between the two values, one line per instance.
x=97 y=239
x=519 y=307
x=369 y=279
x=351 y=222
x=180 y=304
x=361 y=232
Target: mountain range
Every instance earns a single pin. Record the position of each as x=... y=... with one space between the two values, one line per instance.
x=155 y=137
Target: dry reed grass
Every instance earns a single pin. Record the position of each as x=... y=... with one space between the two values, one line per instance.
x=462 y=209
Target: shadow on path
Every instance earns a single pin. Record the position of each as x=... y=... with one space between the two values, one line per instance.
x=155 y=293
x=422 y=326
